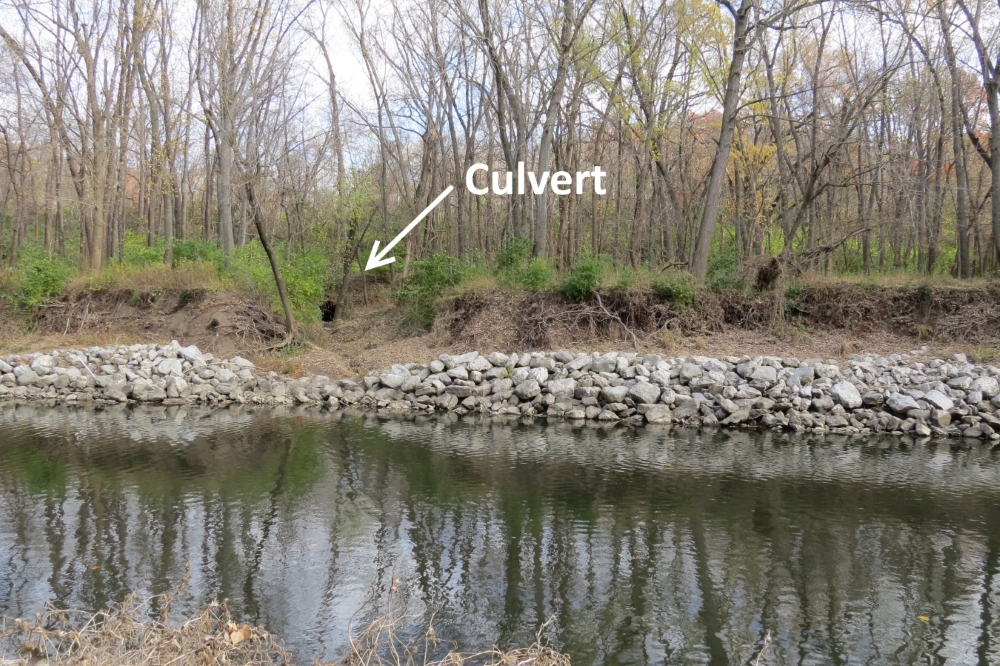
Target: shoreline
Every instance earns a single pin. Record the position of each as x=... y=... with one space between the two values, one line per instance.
x=903 y=394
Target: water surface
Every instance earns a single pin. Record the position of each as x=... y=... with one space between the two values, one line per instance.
x=651 y=546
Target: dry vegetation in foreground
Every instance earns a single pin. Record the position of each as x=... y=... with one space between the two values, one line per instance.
x=128 y=635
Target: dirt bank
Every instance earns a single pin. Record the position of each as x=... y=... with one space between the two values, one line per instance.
x=824 y=319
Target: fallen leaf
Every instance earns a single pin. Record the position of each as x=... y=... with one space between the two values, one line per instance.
x=923 y=618
x=240 y=635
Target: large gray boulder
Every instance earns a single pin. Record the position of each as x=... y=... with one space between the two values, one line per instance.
x=612 y=394
x=846 y=394
x=644 y=393
x=527 y=389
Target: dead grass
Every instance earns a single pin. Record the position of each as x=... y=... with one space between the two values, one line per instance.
x=149 y=279
x=131 y=634
x=126 y=635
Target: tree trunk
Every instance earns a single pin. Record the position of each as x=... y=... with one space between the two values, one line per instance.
x=717 y=177
x=279 y=283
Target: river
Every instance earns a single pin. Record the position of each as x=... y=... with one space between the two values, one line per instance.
x=659 y=546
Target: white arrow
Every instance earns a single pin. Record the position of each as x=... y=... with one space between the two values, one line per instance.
x=376 y=258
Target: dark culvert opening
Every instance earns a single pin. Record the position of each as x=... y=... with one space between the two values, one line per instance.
x=329 y=310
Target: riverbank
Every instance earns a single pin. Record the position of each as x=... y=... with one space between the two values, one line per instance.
x=907 y=393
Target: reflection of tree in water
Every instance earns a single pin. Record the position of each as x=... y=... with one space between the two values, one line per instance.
x=648 y=546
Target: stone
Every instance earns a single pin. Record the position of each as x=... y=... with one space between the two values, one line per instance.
x=170 y=366
x=436 y=367
x=460 y=391
x=478 y=364
x=728 y=406
x=390 y=380
x=43 y=364
x=192 y=355
x=658 y=414
x=805 y=374
x=527 y=389
x=764 y=373
x=241 y=362
x=846 y=394
x=446 y=401
x=497 y=359
x=988 y=386
x=458 y=372
x=940 y=418
x=685 y=409
x=939 y=400
x=644 y=393
x=962 y=382
x=539 y=374
x=26 y=378
x=542 y=362
x=689 y=371
x=606 y=363
x=739 y=416
x=453 y=361
x=901 y=403
x=148 y=393
x=561 y=386
x=607 y=415
x=873 y=399
x=611 y=394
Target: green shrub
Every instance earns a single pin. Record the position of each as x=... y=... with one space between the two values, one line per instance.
x=41 y=278
x=137 y=252
x=195 y=249
x=676 y=287
x=430 y=277
x=516 y=252
x=793 y=291
x=723 y=270
x=305 y=275
x=537 y=275
x=582 y=279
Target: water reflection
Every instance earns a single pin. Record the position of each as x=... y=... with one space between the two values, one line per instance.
x=653 y=546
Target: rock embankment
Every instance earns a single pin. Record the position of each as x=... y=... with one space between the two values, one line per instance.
x=901 y=394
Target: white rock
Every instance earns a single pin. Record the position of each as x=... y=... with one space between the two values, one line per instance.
x=540 y=375
x=558 y=386
x=192 y=355
x=939 y=400
x=900 y=402
x=764 y=373
x=846 y=394
x=644 y=393
x=498 y=360
x=988 y=386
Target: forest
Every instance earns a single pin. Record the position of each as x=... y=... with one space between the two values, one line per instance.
x=841 y=136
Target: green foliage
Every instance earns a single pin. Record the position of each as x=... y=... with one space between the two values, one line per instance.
x=537 y=275
x=793 y=291
x=723 y=269
x=515 y=267
x=305 y=275
x=137 y=252
x=430 y=277
x=516 y=252
x=195 y=249
x=676 y=287
x=38 y=277
x=582 y=279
